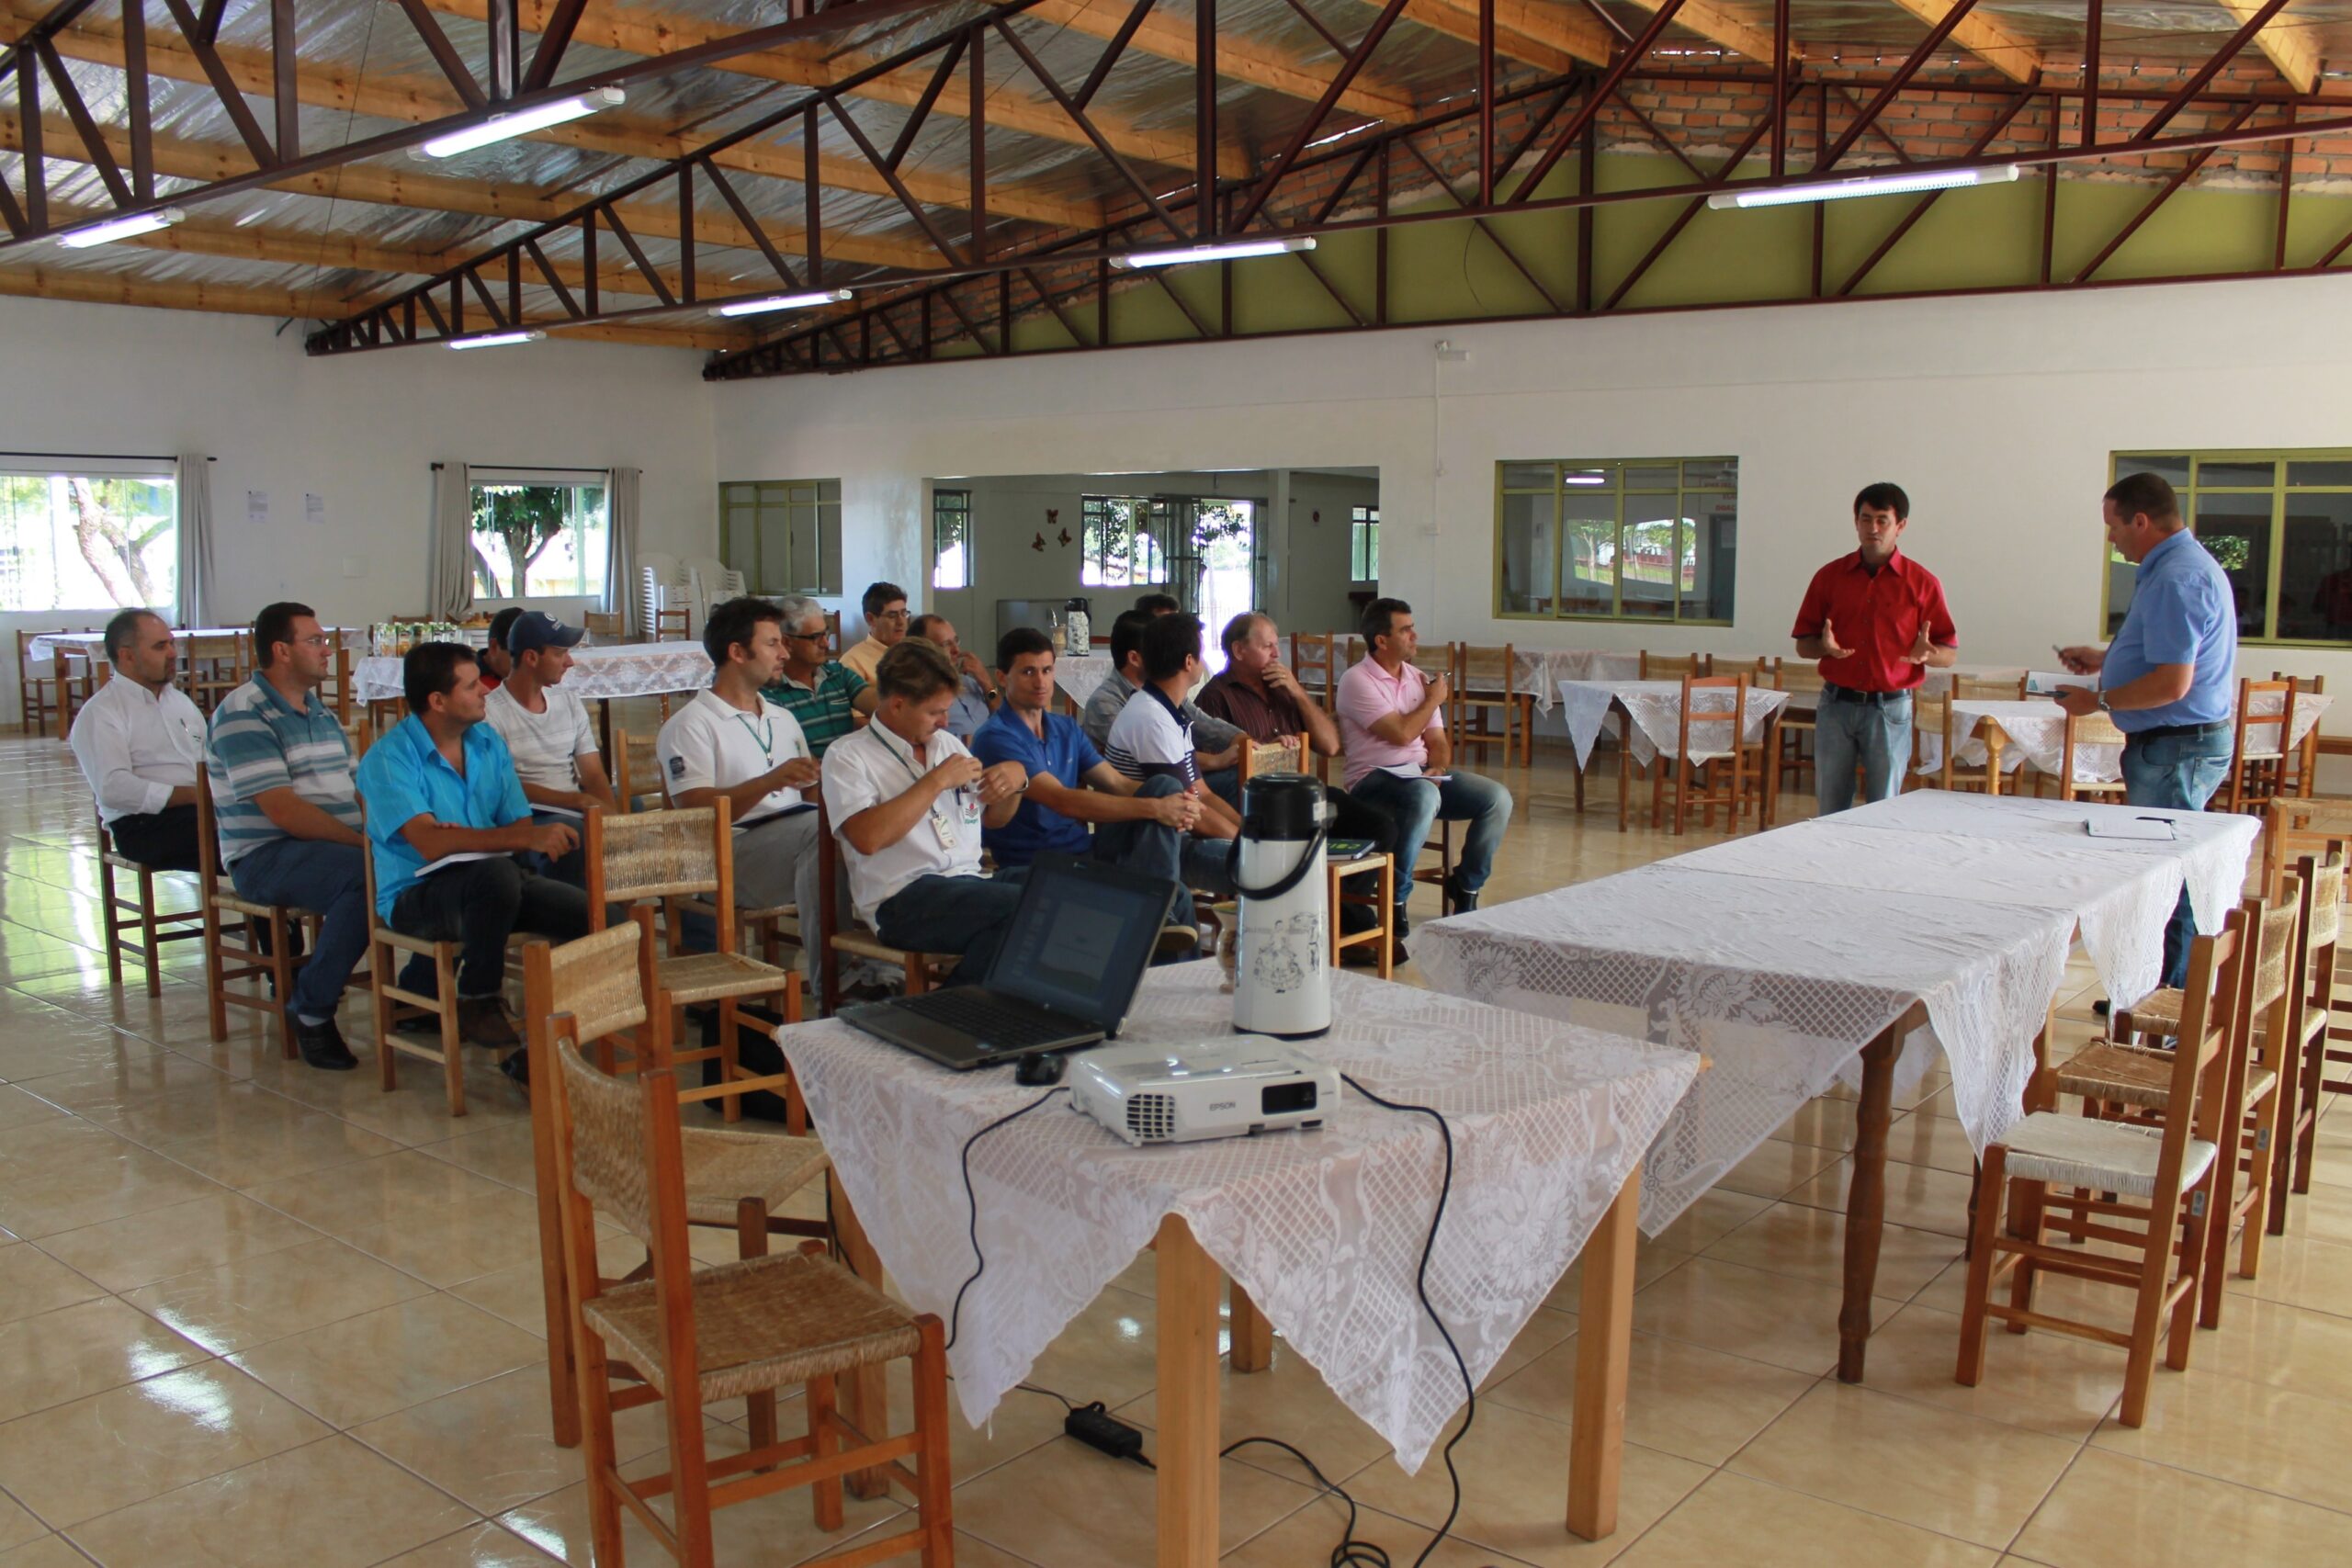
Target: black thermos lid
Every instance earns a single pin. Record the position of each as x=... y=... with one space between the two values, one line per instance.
x=1281 y=806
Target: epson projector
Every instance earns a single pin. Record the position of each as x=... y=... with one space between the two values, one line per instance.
x=1227 y=1088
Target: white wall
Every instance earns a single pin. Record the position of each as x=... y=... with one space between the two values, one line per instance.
x=361 y=431
x=1997 y=414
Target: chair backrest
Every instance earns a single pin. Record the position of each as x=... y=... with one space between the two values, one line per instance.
x=1281 y=755
x=1803 y=676
x=1993 y=688
x=1435 y=658
x=1313 y=659
x=833 y=631
x=636 y=769
x=1490 y=671
x=2276 y=922
x=1671 y=666
x=1710 y=724
x=2266 y=716
x=2312 y=683
x=661 y=854
x=2084 y=730
x=2322 y=884
x=1761 y=672
x=2208 y=1014
x=607 y=1129
x=208 y=839
x=602 y=623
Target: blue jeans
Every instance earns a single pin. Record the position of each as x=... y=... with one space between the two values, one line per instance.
x=1417 y=803
x=1159 y=849
x=1877 y=735
x=2179 y=772
x=963 y=915
x=310 y=874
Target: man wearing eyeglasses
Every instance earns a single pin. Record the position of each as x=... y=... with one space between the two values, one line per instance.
x=885 y=604
x=826 y=696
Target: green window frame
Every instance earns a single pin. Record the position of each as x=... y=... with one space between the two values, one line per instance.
x=1364 y=544
x=2279 y=523
x=950 y=539
x=1649 y=540
x=784 y=535
x=1126 y=541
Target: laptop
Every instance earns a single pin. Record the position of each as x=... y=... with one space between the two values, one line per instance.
x=1065 y=976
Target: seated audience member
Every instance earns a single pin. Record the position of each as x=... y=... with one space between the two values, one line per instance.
x=289 y=817
x=439 y=785
x=1152 y=738
x=1145 y=825
x=494 y=660
x=827 y=698
x=978 y=696
x=1156 y=605
x=548 y=733
x=1392 y=722
x=138 y=741
x=908 y=804
x=885 y=604
x=1257 y=692
x=1221 y=742
x=732 y=741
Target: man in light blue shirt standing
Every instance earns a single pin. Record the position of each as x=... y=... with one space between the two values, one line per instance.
x=2169 y=676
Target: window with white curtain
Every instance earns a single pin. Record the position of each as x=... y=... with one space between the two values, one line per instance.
x=540 y=533
x=88 y=533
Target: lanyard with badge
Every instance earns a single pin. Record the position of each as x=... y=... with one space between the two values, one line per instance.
x=943 y=823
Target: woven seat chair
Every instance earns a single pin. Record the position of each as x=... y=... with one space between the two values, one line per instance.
x=673 y=856
x=2161 y=1179
x=2261 y=760
x=640 y=786
x=155 y=927
x=1729 y=782
x=739 y=1330
x=2302 y=762
x=734 y=1181
x=2322 y=884
x=2132 y=1083
x=836 y=940
x=2085 y=729
x=231 y=963
x=1798 y=725
x=1654 y=667
x=1491 y=686
x=1315 y=661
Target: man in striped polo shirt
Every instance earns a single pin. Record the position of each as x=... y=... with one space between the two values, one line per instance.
x=289 y=814
x=827 y=698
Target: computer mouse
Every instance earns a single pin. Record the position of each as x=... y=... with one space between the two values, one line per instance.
x=1039 y=1068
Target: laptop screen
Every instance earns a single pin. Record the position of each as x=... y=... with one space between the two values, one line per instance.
x=1081 y=938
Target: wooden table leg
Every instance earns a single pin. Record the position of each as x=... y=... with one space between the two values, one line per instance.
x=1252 y=1336
x=1187 y=1290
x=1605 y=1351
x=865 y=1393
x=1866 y=1198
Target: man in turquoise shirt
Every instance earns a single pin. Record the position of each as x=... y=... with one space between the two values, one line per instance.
x=2169 y=677
x=441 y=786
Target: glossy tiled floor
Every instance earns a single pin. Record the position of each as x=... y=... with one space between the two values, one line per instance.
x=254 y=1314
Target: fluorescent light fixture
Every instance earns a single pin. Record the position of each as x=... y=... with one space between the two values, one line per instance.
x=494 y=340
x=1585 y=480
x=114 y=229
x=521 y=122
x=782 y=302
x=1866 y=185
x=1234 y=249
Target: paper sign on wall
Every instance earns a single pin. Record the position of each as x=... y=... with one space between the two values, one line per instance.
x=257 y=508
x=314 y=510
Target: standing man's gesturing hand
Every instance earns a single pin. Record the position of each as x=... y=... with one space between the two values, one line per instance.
x=1829 y=645
x=1922 y=649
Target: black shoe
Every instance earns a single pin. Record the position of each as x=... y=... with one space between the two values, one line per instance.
x=518 y=1068
x=321 y=1046
x=1460 y=900
x=1401 y=927
x=2102 y=1007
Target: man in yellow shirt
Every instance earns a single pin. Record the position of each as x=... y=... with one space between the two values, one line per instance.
x=885 y=604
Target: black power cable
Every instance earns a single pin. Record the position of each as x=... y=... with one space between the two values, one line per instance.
x=972 y=1202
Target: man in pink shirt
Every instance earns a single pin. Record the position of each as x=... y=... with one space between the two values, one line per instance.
x=1392 y=724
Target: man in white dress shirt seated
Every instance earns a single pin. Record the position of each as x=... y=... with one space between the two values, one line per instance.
x=732 y=741
x=546 y=732
x=138 y=741
x=908 y=803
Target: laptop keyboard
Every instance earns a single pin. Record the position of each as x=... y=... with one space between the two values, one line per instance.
x=985 y=1020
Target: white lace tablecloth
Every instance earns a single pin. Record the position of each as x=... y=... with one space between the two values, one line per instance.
x=1077 y=674
x=1539 y=671
x=1781 y=969
x=1323 y=1229
x=2036 y=731
x=1656 y=710
x=92 y=645
x=625 y=669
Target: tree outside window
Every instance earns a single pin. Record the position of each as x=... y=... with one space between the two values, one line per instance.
x=951 y=538
x=540 y=540
x=1364 y=544
x=88 y=541
x=1126 y=543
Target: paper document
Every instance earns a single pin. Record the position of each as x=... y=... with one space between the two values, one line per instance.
x=2129 y=827
x=446 y=861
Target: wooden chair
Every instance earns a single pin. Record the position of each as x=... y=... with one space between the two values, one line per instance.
x=1315 y=661
x=1720 y=781
x=215 y=671
x=2320 y=880
x=669 y=857
x=1491 y=686
x=1654 y=667
x=739 y=1330
x=2291 y=827
x=1983 y=778
x=2258 y=762
x=833 y=632
x=672 y=623
x=395 y=1006
x=922 y=970
x=1436 y=659
x=2085 y=731
x=735 y=1180
x=155 y=927
x=1989 y=688
x=604 y=624
x=54 y=686
x=2131 y=1083
x=231 y=963
x=2168 y=1172
x=1798 y=725
x=2302 y=773
x=637 y=772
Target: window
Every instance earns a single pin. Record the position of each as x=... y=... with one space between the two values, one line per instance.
x=2279 y=523
x=951 y=538
x=1364 y=544
x=1648 y=539
x=87 y=540
x=539 y=535
x=1126 y=542
x=784 y=535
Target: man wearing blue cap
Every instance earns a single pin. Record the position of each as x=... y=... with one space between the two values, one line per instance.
x=546 y=731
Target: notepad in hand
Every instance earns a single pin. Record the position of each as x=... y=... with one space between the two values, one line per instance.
x=2129 y=827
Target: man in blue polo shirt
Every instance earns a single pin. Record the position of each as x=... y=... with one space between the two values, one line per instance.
x=1146 y=826
x=2168 y=676
x=446 y=818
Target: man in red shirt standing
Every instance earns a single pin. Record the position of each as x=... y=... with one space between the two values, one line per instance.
x=1877 y=622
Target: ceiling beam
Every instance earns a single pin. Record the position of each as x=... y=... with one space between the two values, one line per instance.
x=415 y=99
x=1244 y=60
x=644 y=30
x=2286 y=42
x=384 y=185
x=1995 y=42
x=1552 y=37
x=1740 y=31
